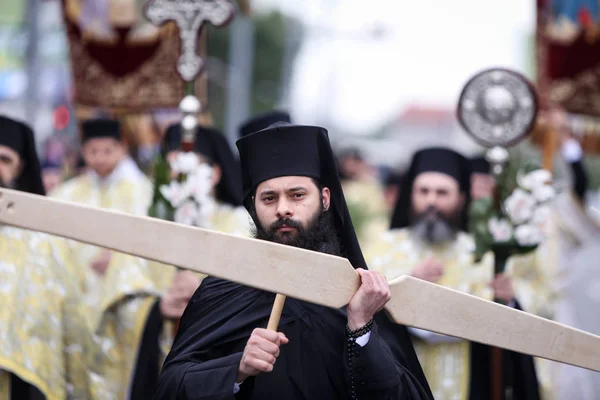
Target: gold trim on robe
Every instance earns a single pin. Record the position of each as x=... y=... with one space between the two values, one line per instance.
x=130 y=291
x=447 y=365
x=44 y=336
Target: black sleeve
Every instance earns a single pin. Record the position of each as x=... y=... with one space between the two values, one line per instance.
x=580 y=179
x=214 y=379
x=375 y=374
x=147 y=367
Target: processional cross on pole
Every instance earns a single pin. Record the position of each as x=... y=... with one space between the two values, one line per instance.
x=190 y=17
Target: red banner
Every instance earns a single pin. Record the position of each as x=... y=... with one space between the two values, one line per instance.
x=568 y=54
x=120 y=61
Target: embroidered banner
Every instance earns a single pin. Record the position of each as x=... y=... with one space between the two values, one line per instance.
x=568 y=54
x=120 y=61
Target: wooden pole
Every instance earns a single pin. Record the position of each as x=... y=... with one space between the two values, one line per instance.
x=497 y=373
x=276 y=312
x=549 y=147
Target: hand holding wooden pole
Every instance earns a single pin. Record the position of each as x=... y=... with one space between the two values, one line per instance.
x=276 y=312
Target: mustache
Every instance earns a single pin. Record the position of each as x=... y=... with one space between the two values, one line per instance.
x=280 y=223
x=430 y=214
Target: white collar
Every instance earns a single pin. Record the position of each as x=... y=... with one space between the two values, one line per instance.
x=126 y=169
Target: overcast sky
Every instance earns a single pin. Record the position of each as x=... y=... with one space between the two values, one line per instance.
x=430 y=50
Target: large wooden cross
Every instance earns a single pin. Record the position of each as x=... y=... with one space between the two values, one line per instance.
x=314 y=277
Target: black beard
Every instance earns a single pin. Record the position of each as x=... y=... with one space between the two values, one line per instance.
x=434 y=227
x=318 y=235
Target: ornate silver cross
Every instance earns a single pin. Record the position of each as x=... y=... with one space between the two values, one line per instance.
x=498 y=108
x=190 y=16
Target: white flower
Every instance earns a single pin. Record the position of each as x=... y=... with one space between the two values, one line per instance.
x=200 y=183
x=185 y=163
x=543 y=193
x=175 y=192
x=204 y=171
x=207 y=209
x=500 y=229
x=187 y=213
x=519 y=206
x=534 y=179
x=528 y=235
x=541 y=219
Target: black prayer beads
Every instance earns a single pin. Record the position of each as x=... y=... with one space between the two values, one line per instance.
x=352 y=351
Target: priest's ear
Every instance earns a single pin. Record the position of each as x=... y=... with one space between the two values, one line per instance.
x=326 y=198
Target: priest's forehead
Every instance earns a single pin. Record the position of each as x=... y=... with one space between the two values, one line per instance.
x=287 y=184
x=436 y=181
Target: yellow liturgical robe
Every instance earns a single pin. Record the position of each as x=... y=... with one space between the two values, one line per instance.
x=127 y=190
x=128 y=295
x=367 y=207
x=446 y=361
x=44 y=337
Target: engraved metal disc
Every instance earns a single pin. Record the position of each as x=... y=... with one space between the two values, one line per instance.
x=497 y=107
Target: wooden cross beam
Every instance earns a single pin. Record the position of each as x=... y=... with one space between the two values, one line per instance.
x=314 y=277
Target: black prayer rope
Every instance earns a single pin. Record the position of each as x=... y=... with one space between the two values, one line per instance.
x=352 y=351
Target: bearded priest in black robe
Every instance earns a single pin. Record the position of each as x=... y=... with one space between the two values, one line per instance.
x=293 y=193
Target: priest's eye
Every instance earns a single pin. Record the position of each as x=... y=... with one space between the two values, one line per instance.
x=6 y=160
x=268 y=199
x=298 y=196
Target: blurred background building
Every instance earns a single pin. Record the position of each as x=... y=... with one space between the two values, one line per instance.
x=384 y=76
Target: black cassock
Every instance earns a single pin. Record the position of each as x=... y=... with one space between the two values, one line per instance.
x=315 y=364
x=519 y=378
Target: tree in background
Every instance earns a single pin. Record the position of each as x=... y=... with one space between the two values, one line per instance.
x=270 y=30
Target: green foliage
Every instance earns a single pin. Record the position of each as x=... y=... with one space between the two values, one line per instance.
x=358 y=215
x=483 y=210
x=12 y=12
x=593 y=170
x=161 y=207
x=269 y=48
x=479 y=214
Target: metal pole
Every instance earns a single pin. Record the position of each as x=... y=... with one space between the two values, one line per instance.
x=32 y=60
x=239 y=83
x=293 y=41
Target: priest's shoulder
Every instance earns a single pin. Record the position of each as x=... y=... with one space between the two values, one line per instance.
x=387 y=240
x=233 y=220
x=217 y=289
x=65 y=190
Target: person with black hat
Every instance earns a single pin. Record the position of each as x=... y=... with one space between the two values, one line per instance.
x=48 y=351
x=154 y=295
x=428 y=239
x=292 y=191
x=262 y=121
x=212 y=148
x=19 y=163
x=112 y=181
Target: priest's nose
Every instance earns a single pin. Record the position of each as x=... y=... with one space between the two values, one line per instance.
x=284 y=209
x=431 y=199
